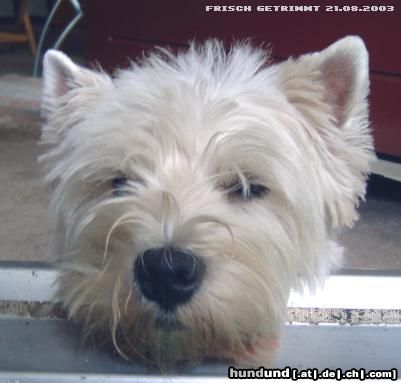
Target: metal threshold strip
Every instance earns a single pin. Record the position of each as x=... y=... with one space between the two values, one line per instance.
x=387 y=169
x=353 y=323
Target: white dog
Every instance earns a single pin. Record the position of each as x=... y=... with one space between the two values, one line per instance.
x=192 y=192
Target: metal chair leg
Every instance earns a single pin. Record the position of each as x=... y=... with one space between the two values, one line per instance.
x=66 y=31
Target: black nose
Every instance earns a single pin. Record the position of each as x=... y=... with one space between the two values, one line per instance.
x=168 y=276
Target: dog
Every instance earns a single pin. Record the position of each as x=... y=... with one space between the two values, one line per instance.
x=193 y=191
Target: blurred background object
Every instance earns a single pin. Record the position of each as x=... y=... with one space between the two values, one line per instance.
x=66 y=26
x=26 y=36
x=69 y=27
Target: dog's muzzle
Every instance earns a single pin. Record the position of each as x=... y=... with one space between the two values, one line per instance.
x=168 y=276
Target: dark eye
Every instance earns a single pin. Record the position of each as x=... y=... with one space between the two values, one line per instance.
x=237 y=190
x=118 y=185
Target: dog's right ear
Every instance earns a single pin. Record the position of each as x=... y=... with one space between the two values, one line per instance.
x=65 y=82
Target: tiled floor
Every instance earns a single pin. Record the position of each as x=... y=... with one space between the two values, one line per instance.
x=374 y=242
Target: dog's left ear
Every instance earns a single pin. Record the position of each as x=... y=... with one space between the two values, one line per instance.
x=330 y=89
x=338 y=76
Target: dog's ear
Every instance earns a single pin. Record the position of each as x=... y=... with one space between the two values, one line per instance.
x=336 y=77
x=344 y=73
x=330 y=89
x=65 y=82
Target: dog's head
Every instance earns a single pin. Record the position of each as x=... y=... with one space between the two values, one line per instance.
x=192 y=192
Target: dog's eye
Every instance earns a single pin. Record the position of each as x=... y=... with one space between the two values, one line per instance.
x=238 y=191
x=118 y=185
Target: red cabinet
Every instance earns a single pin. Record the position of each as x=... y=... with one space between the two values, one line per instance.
x=123 y=29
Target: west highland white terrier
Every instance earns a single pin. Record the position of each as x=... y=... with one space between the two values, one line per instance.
x=192 y=192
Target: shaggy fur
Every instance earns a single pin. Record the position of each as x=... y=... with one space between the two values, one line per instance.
x=185 y=131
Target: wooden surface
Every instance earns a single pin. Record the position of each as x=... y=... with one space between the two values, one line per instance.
x=22 y=37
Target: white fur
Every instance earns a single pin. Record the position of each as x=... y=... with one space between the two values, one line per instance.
x=179 y=127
